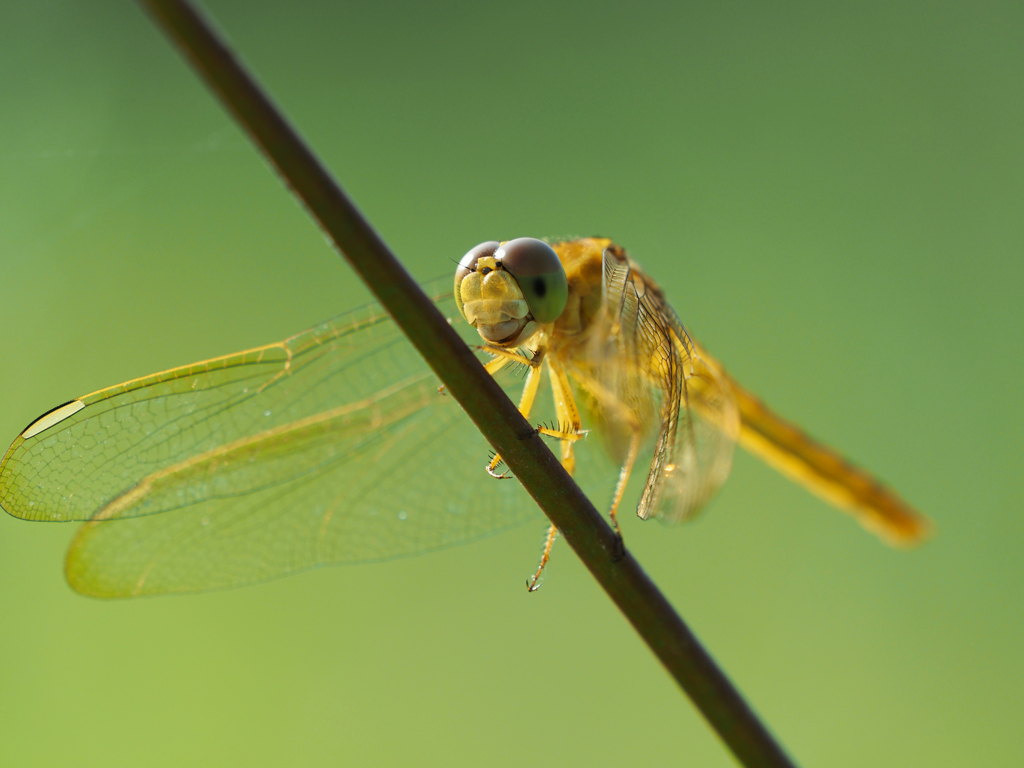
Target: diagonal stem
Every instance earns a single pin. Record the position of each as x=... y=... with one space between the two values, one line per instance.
x=476 y=391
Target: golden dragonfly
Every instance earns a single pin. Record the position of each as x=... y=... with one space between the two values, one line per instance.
x=338 y=446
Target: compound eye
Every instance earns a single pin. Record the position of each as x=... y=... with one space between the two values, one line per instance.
x=539 y=272
x=468 y=262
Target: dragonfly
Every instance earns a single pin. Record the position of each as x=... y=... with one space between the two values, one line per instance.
x=338 y=445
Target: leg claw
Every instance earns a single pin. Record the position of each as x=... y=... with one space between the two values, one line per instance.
x=503 y=476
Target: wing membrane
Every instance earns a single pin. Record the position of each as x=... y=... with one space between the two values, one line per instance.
x=699 y=421
x=358 y=486
x=641 y=369
x=333 y=446
x=125 y=433
x=698 y=462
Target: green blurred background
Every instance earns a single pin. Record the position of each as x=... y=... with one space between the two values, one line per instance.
x=831 y=197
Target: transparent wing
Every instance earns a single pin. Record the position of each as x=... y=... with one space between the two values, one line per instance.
x=695 y=464
x=333 y=446
x=640 y=370
x=649 y=375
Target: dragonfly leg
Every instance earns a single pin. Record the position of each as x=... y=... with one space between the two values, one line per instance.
x=569 y=427
x=502 y=357
x=636 y=433
x=624 y=473
x=528 y=396
x=533 y=584
x=508 y=356
x=568 y=432
x=563 y=432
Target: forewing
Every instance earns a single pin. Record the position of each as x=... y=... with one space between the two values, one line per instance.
x=697 y=420
x=688 y=470
x=332 y=446
x=108 y=441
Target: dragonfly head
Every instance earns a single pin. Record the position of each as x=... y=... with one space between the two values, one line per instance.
x=507 y=290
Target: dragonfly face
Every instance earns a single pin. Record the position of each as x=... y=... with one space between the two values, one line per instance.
x=507 y=290
x=282 y=458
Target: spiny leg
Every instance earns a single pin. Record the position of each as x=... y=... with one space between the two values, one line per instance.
x=529 y=391
x=569 y=432
x=624 y=473
x=636 y=433
x=510 y=356
x=566 y=412
x=533 y=583
x=502 y=357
